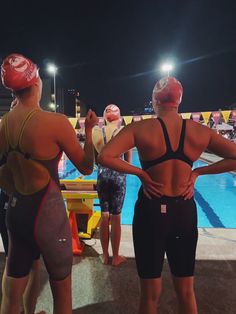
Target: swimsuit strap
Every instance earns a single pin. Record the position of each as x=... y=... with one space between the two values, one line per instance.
x=104 y=135
x=167 y=139
x=113 y=134
x=25 y=121
x=166 y=136
x=22 y=127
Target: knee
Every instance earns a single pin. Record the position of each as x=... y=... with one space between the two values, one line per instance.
x=115 y=218
x=185 y=293
x=151 y=294
x=105 y=217
x=12 y=292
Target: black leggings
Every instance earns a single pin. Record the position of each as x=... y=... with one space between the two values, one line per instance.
x=165 y=225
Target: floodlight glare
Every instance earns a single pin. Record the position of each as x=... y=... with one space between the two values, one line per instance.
x=51 y=106
x=167 y=67
x=52 y=68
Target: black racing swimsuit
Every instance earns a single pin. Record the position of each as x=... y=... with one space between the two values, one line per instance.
x=37 y=223
x=169 y=154
x=165 y=225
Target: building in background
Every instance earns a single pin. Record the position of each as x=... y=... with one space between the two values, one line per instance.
x=146 y=109
x=80 y=106
x=46 y=100
x=67 y=100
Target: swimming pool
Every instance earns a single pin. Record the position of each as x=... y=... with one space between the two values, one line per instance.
x=215 y=195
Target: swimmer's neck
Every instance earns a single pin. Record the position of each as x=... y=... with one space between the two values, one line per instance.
x=113 y=123
x=169 y=112
x=30 y=102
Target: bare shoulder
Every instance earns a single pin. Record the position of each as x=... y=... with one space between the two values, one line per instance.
x=55 y=117
x=56 y=122
x=145 y=123
x=198 y=126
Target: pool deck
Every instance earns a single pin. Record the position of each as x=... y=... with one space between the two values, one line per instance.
x=104 y=289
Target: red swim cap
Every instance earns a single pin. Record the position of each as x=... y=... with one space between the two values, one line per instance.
x=18 y=72
x=167 y=91
x=111 y=113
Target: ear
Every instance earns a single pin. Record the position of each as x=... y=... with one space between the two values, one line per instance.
x=38 y=82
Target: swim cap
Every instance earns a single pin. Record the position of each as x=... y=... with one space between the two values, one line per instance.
x=18 y=72
x=111 y=113
x=167 y=91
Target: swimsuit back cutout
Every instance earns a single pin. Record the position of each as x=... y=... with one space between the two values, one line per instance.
x=28 y=174
x=169 y=154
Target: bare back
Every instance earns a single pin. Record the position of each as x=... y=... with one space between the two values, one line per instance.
x=42 y=136
x=151 y=144
x=149 y=139
x=98 y=136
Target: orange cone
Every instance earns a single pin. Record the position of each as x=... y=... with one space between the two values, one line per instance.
x=77 y=246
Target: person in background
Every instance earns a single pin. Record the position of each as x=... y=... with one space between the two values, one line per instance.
x=32 y=141
x=165 y=218
x=111 y=187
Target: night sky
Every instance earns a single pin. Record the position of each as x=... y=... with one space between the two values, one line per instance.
x=110 y=50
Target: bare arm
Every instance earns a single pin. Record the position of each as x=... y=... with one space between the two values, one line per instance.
x=109 y=157
x=91 y=120
x=115 y=148
x=223 y=165
x=128 y=156
x=82 y=158
x=221 y=147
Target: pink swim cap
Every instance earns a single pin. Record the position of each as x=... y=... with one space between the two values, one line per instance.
x=167 y=91
x=18 y=72
x=111 y=113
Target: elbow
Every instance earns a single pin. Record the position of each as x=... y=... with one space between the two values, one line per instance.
x=101 y=159
x=87 y=171
x=86 y=168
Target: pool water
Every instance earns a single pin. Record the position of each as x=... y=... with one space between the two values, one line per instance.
x=215 y=195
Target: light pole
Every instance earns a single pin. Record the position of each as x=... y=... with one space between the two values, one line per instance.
x=167 y=68
x=53 y=70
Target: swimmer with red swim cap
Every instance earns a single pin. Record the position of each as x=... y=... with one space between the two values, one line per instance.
x=111 y=187
x=18 y=72
x=111 y=113
x=32 y=141
x=167 y=92
x=165 y=211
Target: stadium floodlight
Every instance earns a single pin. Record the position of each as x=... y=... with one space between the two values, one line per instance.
x=167 y=68
x=53 y=70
